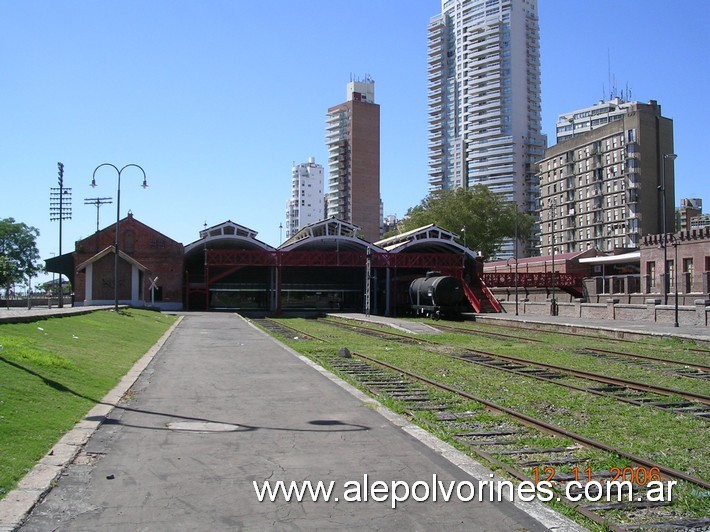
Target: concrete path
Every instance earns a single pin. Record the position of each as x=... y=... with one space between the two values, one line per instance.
x=222 y=405
x=412 y=327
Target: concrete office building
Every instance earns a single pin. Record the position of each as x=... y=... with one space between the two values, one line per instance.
x=599 y=187
x=484 y=101
x=353 y=140
x=306 y=204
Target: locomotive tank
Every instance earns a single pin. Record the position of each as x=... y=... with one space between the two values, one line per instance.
x=436 y=292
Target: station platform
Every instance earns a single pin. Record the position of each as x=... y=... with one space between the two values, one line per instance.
x=616 y=328
x=220 y=406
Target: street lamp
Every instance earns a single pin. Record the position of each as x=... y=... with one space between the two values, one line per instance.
x=516 y=258
x=664 y=239
x=675 y=281
x=118 y=219
x=553 y=206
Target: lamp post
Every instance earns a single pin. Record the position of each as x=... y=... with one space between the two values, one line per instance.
x=118 y=219
x=51 y=291
x=664 y=238
x=516 y=258
x=553 y=206
x=675 y=277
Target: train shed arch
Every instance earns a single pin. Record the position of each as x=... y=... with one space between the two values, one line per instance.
x=324 y=267
x=227 y=268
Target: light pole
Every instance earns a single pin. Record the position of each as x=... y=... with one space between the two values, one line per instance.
x=60 y=209
x=664 y=238
x=553 y=206
x=516 y=259
x=675 y=277
x=51 y=291
x=118 y=219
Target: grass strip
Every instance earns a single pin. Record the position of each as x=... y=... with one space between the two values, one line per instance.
x=54 y=371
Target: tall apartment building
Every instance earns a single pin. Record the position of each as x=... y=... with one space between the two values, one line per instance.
x=306 y=203
x=484 y=100
x=599 y=187
x=353 y=140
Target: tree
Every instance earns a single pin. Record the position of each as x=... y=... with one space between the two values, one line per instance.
x=480 y=217
x=19 y=257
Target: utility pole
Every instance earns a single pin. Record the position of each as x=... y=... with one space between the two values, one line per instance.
x=60 y=209
x=97 y=202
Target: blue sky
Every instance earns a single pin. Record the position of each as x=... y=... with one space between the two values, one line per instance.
x=217 y=99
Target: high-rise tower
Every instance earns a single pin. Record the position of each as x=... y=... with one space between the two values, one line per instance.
x=306 y=203
x=484 y=100
x=353 y=139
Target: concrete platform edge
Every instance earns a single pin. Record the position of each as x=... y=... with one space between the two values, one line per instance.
x=18 y=503
x=537 y=510
x=611 y=329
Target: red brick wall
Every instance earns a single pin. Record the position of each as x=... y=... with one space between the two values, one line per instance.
x=160 y=254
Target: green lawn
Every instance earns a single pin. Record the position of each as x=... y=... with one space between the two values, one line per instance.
x=52 y=372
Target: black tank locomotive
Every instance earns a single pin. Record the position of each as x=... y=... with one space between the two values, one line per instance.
x=437 y=296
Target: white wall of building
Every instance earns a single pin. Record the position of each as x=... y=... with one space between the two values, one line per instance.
x=306 y=203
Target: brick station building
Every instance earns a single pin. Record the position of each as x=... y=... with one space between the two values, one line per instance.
x=144 y=254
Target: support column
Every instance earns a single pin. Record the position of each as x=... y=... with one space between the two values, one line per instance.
x=387 y=292
x=89 y=284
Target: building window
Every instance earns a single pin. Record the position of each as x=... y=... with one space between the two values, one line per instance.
x=688 y=274
x=651 y=272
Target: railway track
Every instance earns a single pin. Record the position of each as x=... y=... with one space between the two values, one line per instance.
x=576 y=334
x=528 y=448
x=624 y=390
x=684 y=369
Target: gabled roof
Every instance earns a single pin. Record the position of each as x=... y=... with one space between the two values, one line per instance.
x=329 y=234
x=228 y=235
x=109 y=251
x=134 y=220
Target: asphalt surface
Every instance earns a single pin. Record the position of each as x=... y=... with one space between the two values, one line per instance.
x=222 y=405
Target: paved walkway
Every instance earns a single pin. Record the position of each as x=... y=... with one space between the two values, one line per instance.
x=412 y=327
x=223 y=405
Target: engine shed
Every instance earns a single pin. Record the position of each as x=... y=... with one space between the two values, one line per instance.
x=326 y=266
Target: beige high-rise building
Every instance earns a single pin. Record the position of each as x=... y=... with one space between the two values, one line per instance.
x=484 y=116
x=603 y=186
x=353 y=139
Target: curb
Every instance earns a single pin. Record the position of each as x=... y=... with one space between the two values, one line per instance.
x=18 y=503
